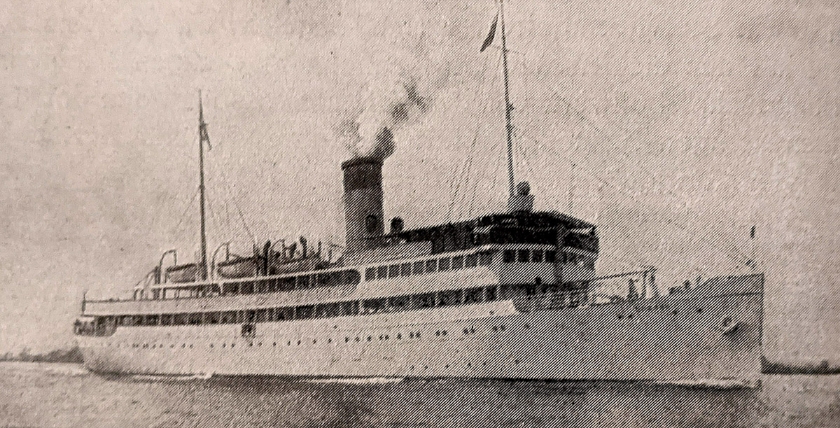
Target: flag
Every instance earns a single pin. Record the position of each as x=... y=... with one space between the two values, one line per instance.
x=203 y=136
x=491 y=35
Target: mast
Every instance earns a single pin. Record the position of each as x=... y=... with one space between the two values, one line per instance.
x=508 y=106
x=202 y=138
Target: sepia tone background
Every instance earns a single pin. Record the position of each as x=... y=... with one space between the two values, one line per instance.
x=675 y=125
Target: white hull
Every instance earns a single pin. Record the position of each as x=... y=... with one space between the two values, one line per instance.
x=669 y=338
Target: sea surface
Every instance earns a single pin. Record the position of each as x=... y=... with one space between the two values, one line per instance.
x=66 y=395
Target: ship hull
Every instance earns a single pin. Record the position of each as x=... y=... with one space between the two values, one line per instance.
x=712 y=332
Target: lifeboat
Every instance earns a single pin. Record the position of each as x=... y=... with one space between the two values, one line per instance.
x=238 y=267
x=280 y=266
x=182 y=273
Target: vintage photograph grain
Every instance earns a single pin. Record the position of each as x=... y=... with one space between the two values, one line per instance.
x=452 y=213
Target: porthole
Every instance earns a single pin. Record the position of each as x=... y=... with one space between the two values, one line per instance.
x=369 y=338
x=232 y=345
x=329 y=340
x=417 y=335
x=357 y=339
x=502 y=327
x=399 y=336
x=443 y=333
x=190 y=345
x=629 y=316
x=183 y=345
x=298 y=343
x=289 y=343
x=466 y=331
x=699 y=310
x=387 y=337
x=472 y=330
x=469 y=364
x=516 y=361
x=412 y=367
x=527 y=326
x=437 y=333
x=674 y=312
x=495 y=328
x=274 y=344
x=619 y=316
x=314 y=341
x=446 y=366
x=380 y=337
x=411 y=335
x=211 y=345
x=250 y=344
x=346 y=339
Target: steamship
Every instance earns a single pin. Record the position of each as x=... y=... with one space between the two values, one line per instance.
x=507 y=295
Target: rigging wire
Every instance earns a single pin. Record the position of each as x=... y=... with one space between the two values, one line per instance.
x=738 y=256
x=606 y=138
x=186 y=209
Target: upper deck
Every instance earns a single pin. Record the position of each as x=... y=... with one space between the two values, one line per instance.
x=480 y=266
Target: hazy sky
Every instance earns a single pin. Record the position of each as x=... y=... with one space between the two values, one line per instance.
x=688 y=122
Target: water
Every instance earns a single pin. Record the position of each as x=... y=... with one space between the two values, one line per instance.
x=47 y=395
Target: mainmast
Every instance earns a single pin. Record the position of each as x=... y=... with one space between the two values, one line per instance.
x=202 y=138
x=508 y=105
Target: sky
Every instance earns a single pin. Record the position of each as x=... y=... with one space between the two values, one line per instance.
x=674 y=125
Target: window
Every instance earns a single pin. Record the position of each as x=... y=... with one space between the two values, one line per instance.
x=304 y=312
x=431 y=266
x=262 y=315
x=485 y=258
x=370 y=274
x=194 y=319
x=405 y=269
x=449 y=298
x=352 y=277
x=399 y=303
x=247 y=288
x=302 y=282
x=472 y=295
x=424 y=300
x=373 y=306
x=550 y=256
x=471 y=260
x=490 y=294
x=287 y=283
x=393 y=271
x=524 y=256
x=457 y=262
x=324 y=279
x=537 y=256
x=382 y=272
x=418 y=268
x=212 y=317
x=443 y=264
x=508 y=256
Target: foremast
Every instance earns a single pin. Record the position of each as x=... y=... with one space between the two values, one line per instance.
x=202 y=138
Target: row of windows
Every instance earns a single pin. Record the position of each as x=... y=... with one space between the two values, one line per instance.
x=529 y=256
x=269 y=285
x=484 y=258
x=335 y=309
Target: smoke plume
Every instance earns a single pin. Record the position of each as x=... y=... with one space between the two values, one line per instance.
x=371 y=131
